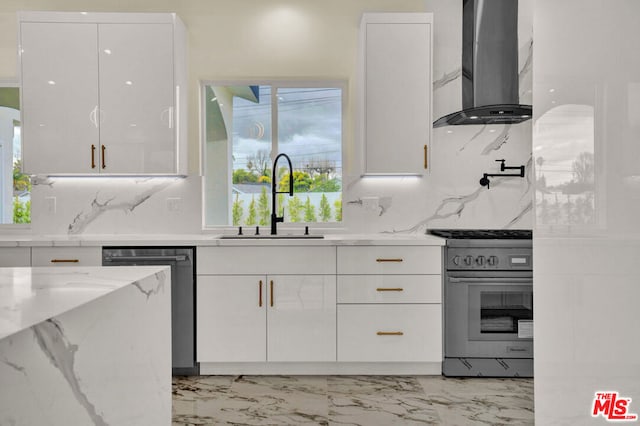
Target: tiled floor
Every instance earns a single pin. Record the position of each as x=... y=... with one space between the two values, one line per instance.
x=351 y=400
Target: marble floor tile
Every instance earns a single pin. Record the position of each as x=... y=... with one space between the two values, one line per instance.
x=378 y=400
x=351 y=400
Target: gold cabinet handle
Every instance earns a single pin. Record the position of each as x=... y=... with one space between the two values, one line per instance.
x=426 y=163
x=93 y=156
x=104 y=148
x=65 y=260
x=389 y=289
x=260 y=294
x=380 y=260
x=271 y=292
x=390 y=333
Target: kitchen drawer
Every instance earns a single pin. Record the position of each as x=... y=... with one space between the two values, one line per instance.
x=389 y=289
x=248 y=260
x=15 y=256
x=66 y=256
x=371 y=333
x=390 y=260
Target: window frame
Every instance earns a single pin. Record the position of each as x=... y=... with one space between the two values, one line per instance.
x=275 y=83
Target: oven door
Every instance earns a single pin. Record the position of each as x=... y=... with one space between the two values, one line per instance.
x=489 y=316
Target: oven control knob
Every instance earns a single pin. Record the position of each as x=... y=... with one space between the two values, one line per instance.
x=456 y=260
x=468 y=260
x=493 y=260
x=480 y=260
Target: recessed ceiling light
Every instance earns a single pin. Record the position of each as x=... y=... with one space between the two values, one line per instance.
x=51 y=82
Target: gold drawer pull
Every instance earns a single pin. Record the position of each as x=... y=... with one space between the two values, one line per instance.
x=379 y=260
x=390 y=333
x=64 y=261
x=426 y=163
x=271 y=292
x=260 y=295
x=389 y=289
x=93 y=156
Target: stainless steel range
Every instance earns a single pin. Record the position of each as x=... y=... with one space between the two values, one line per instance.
x=488 y=303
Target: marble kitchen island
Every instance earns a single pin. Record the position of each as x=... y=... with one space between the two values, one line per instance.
x=85 y=345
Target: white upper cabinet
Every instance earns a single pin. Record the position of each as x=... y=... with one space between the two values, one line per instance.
x=103 y=93
x=59 y=97
x=396 y=80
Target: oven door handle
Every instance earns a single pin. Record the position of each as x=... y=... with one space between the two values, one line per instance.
x=491 y=280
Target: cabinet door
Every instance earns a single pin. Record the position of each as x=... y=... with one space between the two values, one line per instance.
x=11 y=257
x=59 y=78
x=231 y=318
x=397 y=85
x=137 y=98
x=301 y=318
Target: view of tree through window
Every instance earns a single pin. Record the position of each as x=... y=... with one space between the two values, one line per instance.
x=565 y=167
x=246 y=127
x=15 y=186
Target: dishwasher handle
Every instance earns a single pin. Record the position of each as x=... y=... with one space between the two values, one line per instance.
x=516 y=280
x=178 y=258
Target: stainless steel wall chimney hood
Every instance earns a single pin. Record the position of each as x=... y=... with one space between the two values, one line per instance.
x=489 y=65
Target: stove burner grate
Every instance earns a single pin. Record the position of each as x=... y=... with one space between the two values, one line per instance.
x=482 y=234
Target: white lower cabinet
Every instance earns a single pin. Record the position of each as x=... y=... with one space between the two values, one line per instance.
x=389 y=289
x=11 y=257
x=301 y=318
x=66 y=256
x=249 y=318
x=282 y=309
x=231 y=319
x=390 y=304
x=319 y=310
x=390 y=333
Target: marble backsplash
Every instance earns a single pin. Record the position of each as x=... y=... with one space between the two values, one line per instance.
x=116 y=205
x=449 y=195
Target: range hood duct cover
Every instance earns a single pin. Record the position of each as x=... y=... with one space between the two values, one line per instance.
x=489 y=65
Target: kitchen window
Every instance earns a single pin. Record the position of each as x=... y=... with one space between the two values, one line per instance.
x=245 y=125
x=15 y=186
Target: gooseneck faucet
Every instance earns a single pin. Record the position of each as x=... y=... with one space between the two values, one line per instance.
x=274 y=176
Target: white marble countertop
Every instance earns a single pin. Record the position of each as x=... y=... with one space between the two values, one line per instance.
x=29 y=296
x=26 y=240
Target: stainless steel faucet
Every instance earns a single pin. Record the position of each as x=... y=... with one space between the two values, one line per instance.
x=274 y=177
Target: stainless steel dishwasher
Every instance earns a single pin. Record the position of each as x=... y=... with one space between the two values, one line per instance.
x=183 y=303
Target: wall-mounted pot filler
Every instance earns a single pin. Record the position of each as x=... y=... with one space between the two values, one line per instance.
x=484 y=181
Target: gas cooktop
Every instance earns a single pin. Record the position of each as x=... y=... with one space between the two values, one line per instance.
x=482 y=234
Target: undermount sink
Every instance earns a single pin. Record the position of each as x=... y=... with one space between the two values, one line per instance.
x=273 y=237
